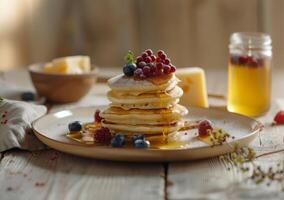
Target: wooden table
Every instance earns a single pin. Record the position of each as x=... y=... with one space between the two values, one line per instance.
x=49 y=174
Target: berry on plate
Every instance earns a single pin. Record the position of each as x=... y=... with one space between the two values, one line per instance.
x=204 y=128
x=75 y=126
x=102 y=135
x=138 y=137
x=139 y=143
x=118 y=140
x=279 y=117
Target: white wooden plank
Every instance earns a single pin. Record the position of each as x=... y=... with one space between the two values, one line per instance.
x=53 y=175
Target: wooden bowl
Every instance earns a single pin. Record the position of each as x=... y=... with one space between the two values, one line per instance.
x=61 y=88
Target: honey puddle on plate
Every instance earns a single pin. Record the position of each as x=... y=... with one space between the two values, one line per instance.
x=182 y=140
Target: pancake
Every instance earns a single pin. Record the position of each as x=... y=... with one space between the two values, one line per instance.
x=146 y=106
x=140 y=116
x=125 y=84
x=155 y=105
x=126 y=98
x=128 y=129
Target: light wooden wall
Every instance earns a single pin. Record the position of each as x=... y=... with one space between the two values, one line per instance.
x=192 y=32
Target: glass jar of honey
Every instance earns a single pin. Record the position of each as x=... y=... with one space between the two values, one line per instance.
x=249 y=81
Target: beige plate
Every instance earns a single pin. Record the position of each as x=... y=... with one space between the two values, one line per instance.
x=51 y=130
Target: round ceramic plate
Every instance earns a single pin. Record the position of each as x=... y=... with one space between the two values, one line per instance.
x=51 y=129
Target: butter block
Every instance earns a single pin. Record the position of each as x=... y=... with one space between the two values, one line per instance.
x=69 y=65
x=193 y=83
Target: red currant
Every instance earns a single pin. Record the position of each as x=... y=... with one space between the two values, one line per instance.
x=158 y=72
x=147 y=59
x=142 y=76
x=163 y=56
x=167 y=69
x=160 y=52
x=204 y=128
x=159 y=65
x=142 y=64
x=173 y=69
x=139 y=59
x=243 y=60
x=167 y=61
x=153 y=69
x=252 y=61
x=158 y=59
x=144 y=55
x=149 y=52
x=97 y=116
x=137 y=73
x=146 y=70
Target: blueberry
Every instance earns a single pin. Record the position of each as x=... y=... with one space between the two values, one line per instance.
x=141 y=143
x=118 y=140
x=129 y=69
x=28 y=96
x=75 y=126
x=137 y=137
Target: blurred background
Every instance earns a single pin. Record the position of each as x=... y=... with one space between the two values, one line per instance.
x=192 y=32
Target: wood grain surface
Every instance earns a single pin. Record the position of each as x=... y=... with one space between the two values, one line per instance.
x=54 y=175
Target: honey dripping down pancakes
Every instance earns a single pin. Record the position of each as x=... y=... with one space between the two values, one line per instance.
x=144 y=100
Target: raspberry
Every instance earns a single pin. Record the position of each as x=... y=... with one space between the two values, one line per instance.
x=153 y=58
x=204 y=127
x=97 y=116
x=102 y=135
x=279 y=117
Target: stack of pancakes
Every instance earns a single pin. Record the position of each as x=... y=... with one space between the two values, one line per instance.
x=148 y=106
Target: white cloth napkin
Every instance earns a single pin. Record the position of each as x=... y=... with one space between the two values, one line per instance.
x=15 y=125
